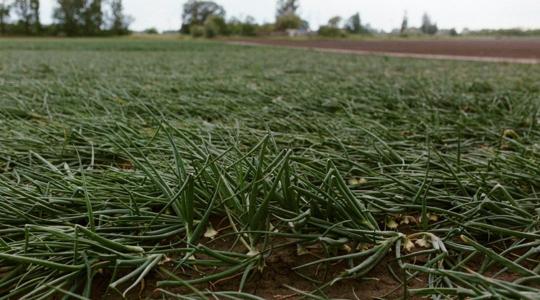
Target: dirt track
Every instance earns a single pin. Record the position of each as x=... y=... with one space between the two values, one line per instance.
x=499 y=50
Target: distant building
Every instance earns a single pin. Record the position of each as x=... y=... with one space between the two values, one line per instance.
x=412 y=31
x=298 y=32
x=408 y=31
x=443 y=32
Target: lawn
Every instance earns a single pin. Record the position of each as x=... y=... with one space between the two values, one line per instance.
x=189 y=170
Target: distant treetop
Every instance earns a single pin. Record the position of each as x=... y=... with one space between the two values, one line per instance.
x=287 y=7
x=196 y=12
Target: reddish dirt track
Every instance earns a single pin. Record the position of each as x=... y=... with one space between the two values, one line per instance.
x=508 y=49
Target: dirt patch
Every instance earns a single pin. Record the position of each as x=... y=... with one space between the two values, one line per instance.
x=270 y=283
x=270 y=280
x=496 y=50
x=278 y=271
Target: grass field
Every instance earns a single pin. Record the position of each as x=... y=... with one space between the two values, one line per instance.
x=197 y=170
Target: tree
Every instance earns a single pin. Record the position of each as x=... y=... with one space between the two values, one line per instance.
x=334 y=21
x=151 y=30
x=289 y=21
x=5 y=10
x=248 y=27
x=196 y=12
x=428 y=27
x=287 y=7
x=85 y=17
x=404 y=24
x=197 y=31
x=70 y=15
x=354 y=24
x=287 y=17
x=332 y=28
x=24 y=13
x=214 y=26
x=93 y=18
x=28 y=13
x=119 y=21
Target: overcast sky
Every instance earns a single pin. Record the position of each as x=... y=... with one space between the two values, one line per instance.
x=383 y=14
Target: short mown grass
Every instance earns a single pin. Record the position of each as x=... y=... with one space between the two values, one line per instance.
x=167 y=168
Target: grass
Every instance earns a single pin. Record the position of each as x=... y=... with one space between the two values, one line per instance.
x=180 y=169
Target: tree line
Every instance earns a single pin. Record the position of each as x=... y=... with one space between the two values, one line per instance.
x=199 y=18
x=207 y=18
x=71 y=18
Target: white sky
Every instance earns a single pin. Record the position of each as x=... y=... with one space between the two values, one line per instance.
x=383 y=14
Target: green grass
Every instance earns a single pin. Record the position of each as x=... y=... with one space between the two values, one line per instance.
x=120 y=159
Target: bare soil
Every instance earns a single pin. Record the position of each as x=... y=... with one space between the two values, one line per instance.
x=270 y=283
x=270 y=280
x=504 y=49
